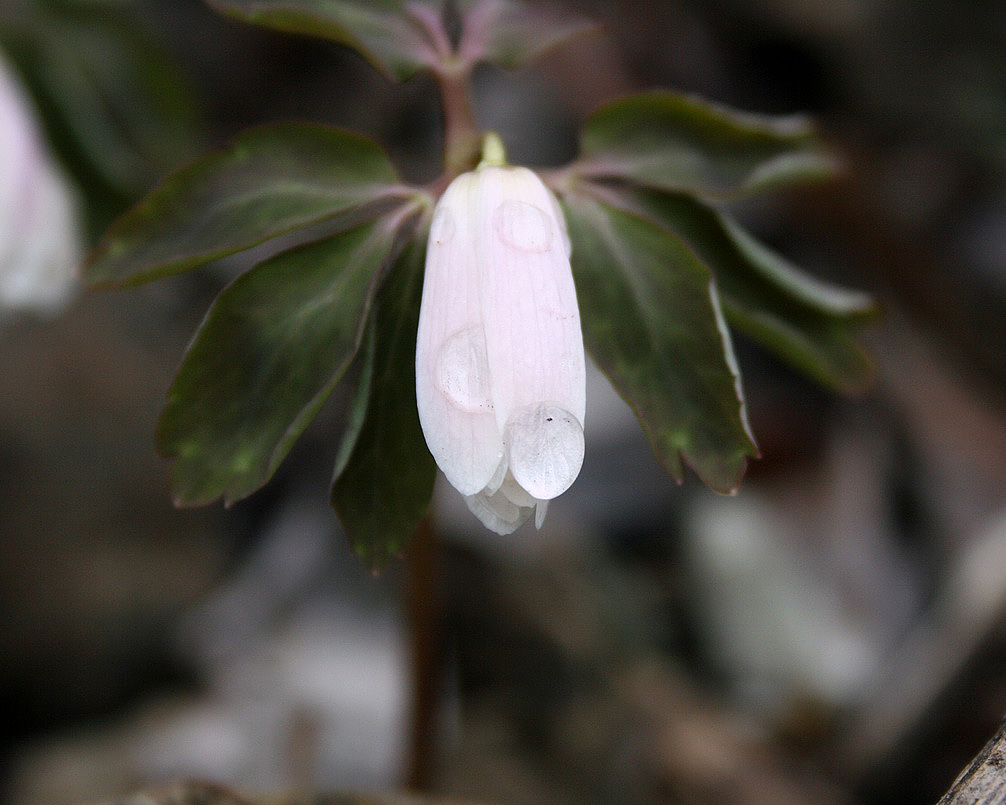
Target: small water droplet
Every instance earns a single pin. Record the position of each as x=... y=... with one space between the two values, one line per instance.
x=443 y=227
x=523 y=226
x=462 y=370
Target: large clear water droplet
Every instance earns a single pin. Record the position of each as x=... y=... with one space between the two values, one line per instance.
x=545 y=448
x=523 y=226
x=462 y=370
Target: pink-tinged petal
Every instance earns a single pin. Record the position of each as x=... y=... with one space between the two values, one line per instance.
x=453 y=390
x=500 y=375
x=532 y=323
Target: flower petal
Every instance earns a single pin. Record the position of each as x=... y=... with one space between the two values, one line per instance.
x=532 y=323
x=452 y=368
x=500 y=374
x=497 y=512
x=539 y=513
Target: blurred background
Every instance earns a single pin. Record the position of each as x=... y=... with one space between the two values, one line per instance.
x=835 y=633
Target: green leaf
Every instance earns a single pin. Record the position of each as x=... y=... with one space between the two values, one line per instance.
x=269 y=181
x=389 y=33
x=512 y=34
x=384 y=473
x=122 y=99
x=651 y=320
x=272 y=347
x=807 y=322
x=671 y=141
x=117 y=108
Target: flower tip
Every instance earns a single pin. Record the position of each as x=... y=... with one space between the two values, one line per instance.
x=497 y=512
x=493 y=151
x=539 y=513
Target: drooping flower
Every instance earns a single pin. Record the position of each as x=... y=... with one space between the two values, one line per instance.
x=40 y=242
x=500 y=378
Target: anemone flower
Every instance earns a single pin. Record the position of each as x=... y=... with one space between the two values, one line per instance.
x=500 y=379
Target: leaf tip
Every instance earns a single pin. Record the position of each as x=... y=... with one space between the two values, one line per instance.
x=375 y=561
x=726 y=476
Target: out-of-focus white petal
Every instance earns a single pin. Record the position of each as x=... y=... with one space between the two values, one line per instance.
x=41 y=275
x=40 y=240
x=500 y=375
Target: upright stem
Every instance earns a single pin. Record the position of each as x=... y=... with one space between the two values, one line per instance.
x=462 y=139
x=453 y=73
x=423 y=611
x=462 y=150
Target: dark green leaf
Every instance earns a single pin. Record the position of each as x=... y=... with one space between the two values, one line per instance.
x=652 y=323
x=805 y=321
x=390 y=34
x=272 y=347
x=271 y=180
x=119 y=96
x=384 y=473
x=511 y=34
x=676 y=142
x=117 y=109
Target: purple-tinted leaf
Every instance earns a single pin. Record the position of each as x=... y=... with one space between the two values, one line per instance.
x=807 y=322
x=511 y=33
x=272 y=347
x=269 y=181
x=671 y=141
x=384 y=473
x=651 y=320
x=394 y=36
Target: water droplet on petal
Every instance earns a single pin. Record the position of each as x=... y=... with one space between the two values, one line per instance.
x=523 y=226
x=443 y=227
x=462 y=370
x=545 y=444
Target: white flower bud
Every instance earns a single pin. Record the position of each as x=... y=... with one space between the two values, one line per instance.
x=500 y=378
x=40 y=242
